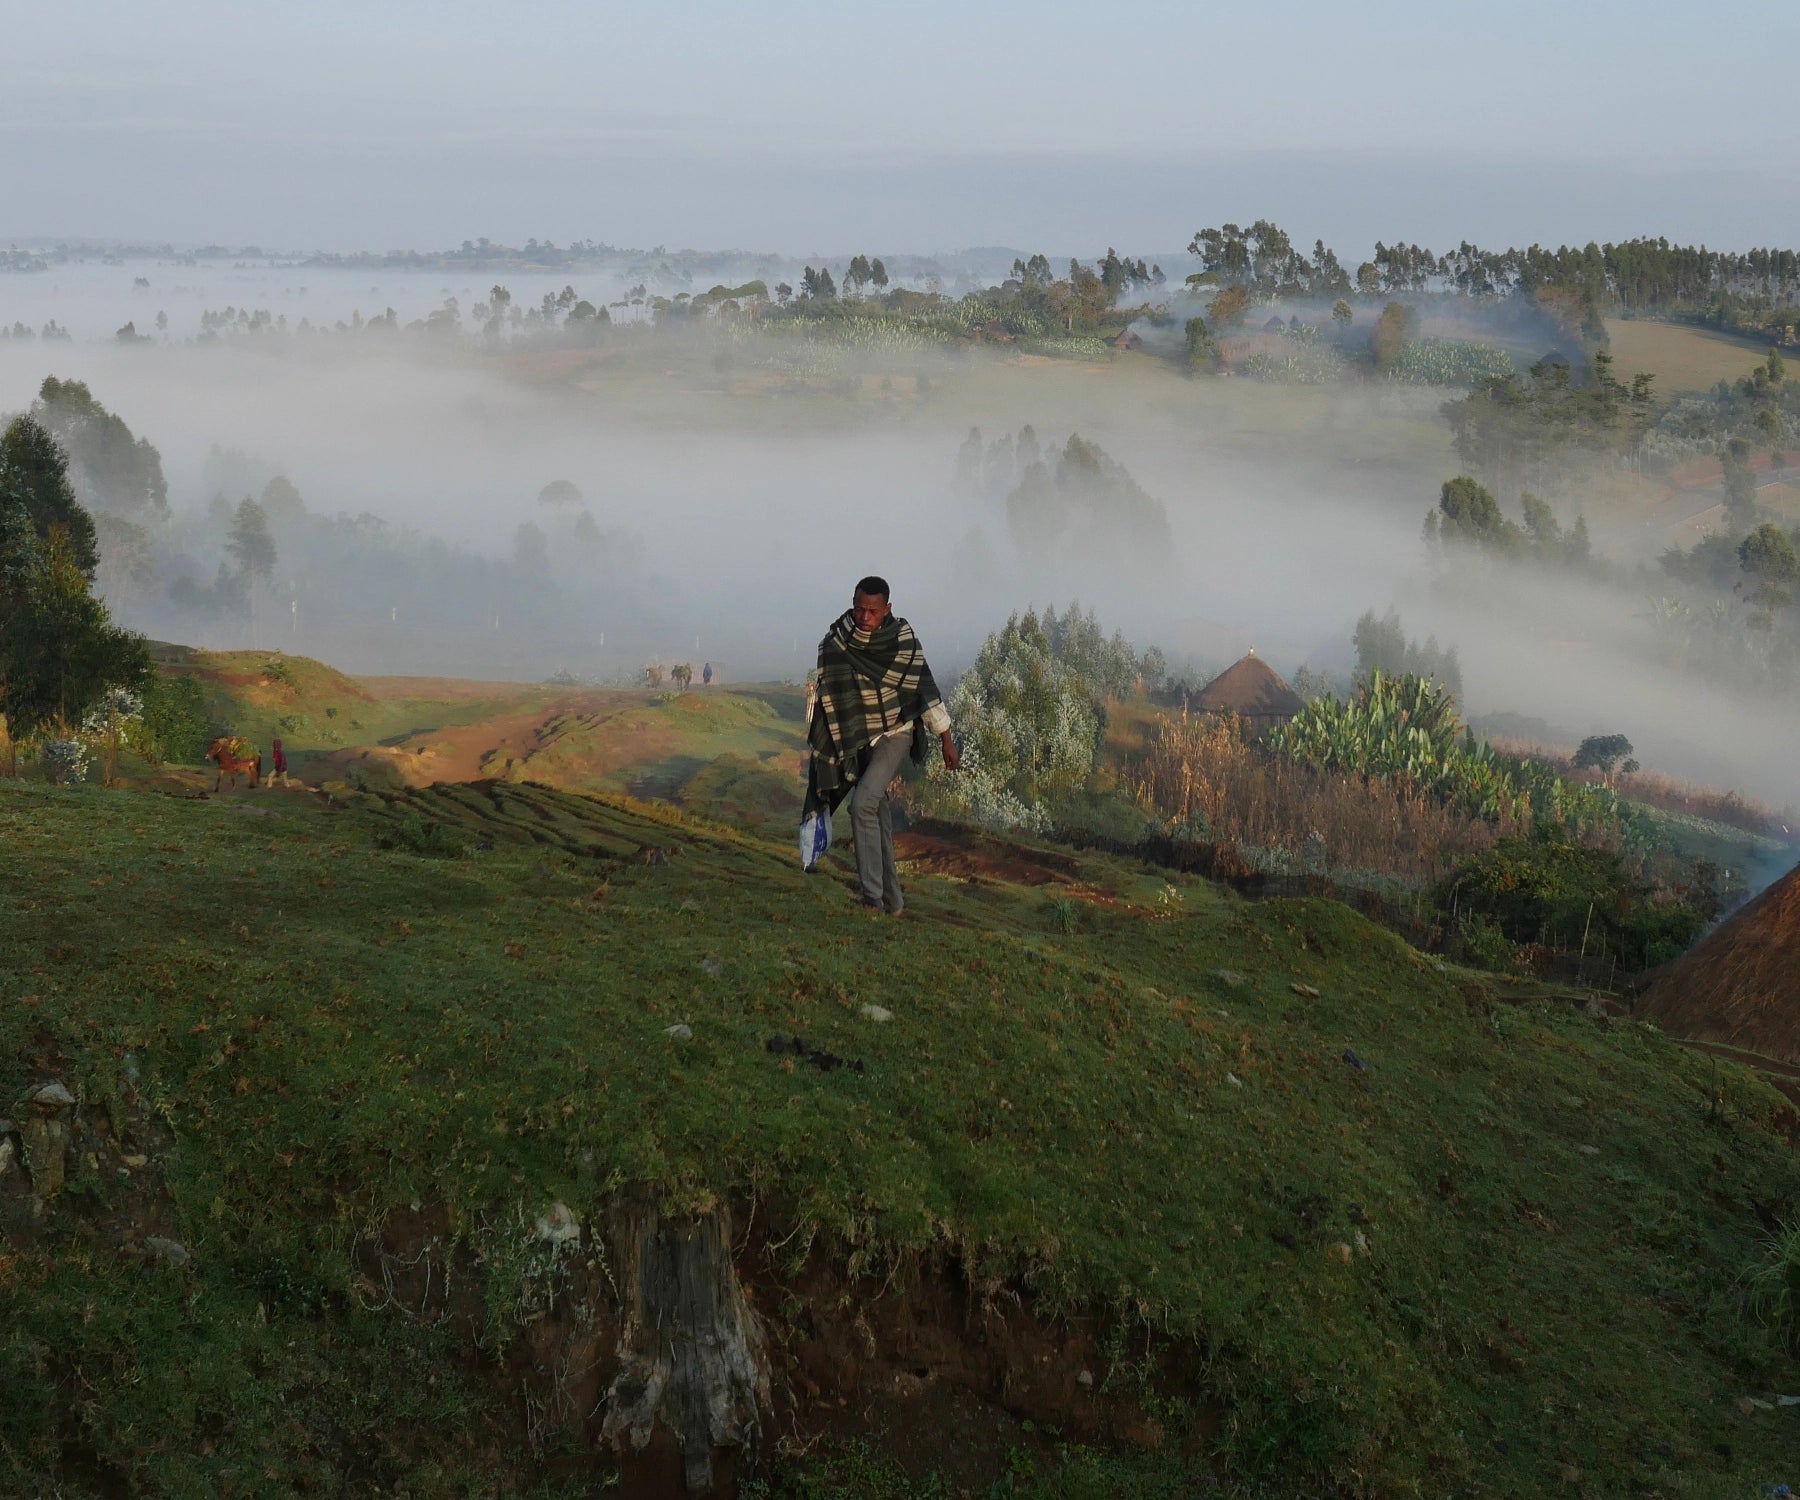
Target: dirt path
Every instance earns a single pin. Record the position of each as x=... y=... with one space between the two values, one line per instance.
x=1755 y=1061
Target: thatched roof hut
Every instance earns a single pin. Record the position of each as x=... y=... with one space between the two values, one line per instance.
x=1739 y=986
x=1251 y=689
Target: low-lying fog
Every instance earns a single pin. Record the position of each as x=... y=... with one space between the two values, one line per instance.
x=733 y=517
x=95 y=296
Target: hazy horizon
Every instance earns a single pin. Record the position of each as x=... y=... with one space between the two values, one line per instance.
x=803 y=129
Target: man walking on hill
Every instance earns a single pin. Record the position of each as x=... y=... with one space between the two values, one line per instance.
x=877 y=704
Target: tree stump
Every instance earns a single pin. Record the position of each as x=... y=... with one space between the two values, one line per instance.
x=690 y=1353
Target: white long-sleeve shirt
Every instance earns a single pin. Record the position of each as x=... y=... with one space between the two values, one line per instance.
x=935 y=718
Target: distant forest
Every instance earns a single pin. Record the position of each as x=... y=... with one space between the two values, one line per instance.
x=1745 y=291
x=1639 y=275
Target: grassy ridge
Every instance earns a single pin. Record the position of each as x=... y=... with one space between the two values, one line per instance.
x=725 y=751
x=315 y=708
x=1400 y=1277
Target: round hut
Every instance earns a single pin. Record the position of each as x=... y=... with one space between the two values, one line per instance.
x=1740 y=985
x=1251 y=689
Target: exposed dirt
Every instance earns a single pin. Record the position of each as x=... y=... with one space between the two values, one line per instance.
x=941 y=1375
x=933 y=848
x=931 y=1371
x=93 y=1170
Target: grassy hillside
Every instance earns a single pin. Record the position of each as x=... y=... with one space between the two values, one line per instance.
x=1311 y=1212
x=727 y=751
x=316 y=709
x=733 y=750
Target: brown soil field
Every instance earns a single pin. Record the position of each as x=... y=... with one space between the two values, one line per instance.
x=1681 y=358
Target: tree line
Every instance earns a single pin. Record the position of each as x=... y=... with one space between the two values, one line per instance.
x=60 y=653
x=1642 y=276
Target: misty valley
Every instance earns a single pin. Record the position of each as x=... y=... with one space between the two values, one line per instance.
x=1341 y=1032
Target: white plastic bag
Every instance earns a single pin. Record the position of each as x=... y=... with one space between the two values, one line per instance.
x=815 y=838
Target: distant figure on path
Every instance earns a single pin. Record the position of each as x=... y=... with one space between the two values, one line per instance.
x=877 y=703
x=706 y=675
x=278 y=760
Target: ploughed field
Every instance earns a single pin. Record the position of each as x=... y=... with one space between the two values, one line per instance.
x=491 y=1139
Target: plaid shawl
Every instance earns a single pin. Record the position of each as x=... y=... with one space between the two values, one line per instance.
x=868 y=684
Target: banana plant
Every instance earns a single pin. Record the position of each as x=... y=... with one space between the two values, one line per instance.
x=1404 y=729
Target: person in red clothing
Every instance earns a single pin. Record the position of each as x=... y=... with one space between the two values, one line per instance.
x=279 y=766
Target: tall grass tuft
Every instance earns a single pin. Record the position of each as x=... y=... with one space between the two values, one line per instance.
x=1774 y=1285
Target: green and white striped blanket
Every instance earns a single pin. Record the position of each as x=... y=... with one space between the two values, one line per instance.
x=870 y=683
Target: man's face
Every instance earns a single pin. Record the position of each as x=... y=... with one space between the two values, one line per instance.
x=871 y=611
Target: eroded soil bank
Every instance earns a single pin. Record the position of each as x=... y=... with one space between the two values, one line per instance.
x=689 y=1353
x=650 y=1353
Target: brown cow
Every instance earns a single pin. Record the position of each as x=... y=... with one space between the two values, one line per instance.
x=234 y=753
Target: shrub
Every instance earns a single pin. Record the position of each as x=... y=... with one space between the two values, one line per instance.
x=424 y=836
x=173 y=726
x=1545 y=889
x=1030 y=725
x=1480 y=943
x=64 y=762
x=116 y=706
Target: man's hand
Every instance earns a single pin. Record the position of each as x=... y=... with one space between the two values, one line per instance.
x=951 y=759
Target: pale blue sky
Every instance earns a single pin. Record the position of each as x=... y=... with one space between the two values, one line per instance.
x=799 y=127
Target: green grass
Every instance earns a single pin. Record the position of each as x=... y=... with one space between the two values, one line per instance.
x=333 y=1030
x=1684 y=836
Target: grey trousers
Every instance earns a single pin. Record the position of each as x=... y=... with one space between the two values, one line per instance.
x=871 y=818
